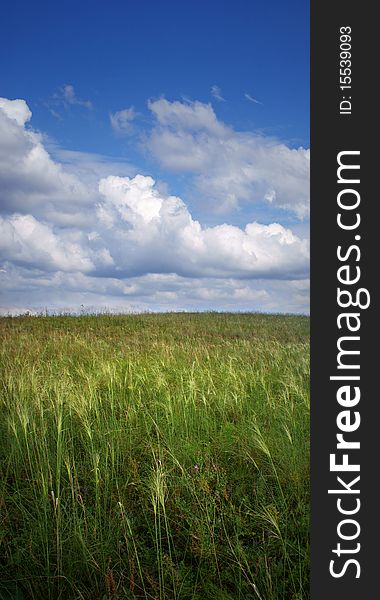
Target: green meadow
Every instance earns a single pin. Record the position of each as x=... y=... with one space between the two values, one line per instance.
x=155 y=456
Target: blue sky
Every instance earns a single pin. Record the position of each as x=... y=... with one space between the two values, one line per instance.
x=211 y=100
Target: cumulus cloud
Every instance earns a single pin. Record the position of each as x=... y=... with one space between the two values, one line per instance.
x=121 y=121
x=18 y=110
x=147 y=232
x=187 y=116
x=229 y=167
x=125 y=242
x=30 y=181
x=26 y=241
x=40 y=178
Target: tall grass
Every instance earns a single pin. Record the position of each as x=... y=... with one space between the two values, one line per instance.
x=155 y=457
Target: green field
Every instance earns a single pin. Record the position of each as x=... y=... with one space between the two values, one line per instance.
x=156 y=456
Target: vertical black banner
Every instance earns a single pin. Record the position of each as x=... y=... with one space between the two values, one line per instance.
x=345 y=432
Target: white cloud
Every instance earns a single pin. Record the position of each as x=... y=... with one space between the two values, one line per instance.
x=16 y=109
x=89 y=167
x=28 y=289
x=251 y=98
x=216 y=93
x=72 y=233
x=63 y=190
x=187 y=116
x=26 y=241
x=228 y=166
x=121 y=121
x=68 y=96
x=147 y=232
x=64 y=98
x=30 y=181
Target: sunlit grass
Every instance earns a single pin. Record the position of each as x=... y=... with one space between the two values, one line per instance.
x=155 y=456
